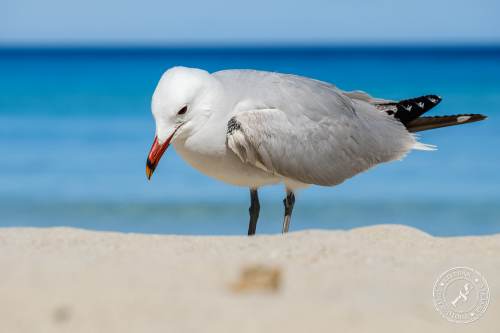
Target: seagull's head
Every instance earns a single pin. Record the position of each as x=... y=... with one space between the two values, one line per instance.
x=180 y=104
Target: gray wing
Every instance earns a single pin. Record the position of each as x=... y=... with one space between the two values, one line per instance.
x=317 y=146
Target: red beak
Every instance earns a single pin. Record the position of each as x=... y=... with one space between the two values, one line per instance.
x=155 y=155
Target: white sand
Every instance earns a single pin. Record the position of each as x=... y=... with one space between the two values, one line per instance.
x=376 y=279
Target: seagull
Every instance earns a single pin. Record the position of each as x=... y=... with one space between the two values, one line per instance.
x=254 y=128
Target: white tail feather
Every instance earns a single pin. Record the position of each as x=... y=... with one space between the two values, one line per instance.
x=424 y=146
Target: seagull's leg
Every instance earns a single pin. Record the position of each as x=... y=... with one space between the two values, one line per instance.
x=289 y=201
x=254 y=211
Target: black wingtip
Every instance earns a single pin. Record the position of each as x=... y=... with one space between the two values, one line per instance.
x=408 y=110
x=411 y=109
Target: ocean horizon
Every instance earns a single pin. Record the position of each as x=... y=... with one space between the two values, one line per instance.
x=75 y=129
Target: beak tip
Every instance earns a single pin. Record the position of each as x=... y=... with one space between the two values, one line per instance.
x=149 y=170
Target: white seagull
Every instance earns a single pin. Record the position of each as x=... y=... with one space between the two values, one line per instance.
x=254 y=128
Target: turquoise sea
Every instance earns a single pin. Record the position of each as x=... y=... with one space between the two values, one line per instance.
x=75 y=129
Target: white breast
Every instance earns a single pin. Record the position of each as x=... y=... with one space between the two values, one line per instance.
x=223 y=164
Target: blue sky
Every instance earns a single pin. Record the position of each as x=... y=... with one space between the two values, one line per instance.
x=250 y=21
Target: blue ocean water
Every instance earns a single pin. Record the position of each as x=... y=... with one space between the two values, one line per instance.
x=75 y=128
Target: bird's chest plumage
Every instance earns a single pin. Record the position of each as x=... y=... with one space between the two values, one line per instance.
x=214 y=159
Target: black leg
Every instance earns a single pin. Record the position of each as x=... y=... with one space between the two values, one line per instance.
x=289 y=201
x=254 y=211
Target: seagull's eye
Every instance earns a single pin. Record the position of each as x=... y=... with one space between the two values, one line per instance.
x=183 y=110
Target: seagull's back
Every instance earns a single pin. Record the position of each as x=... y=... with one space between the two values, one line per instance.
x=287 y=92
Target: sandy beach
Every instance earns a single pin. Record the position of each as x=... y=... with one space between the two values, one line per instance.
x=374 y=279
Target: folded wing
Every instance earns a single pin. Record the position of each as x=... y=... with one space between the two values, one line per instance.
x=324 y=149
